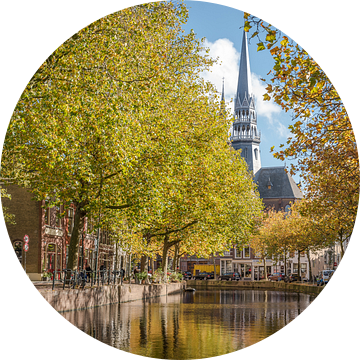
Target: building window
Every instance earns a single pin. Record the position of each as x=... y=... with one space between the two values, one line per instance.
x=238 y=252
x=70 y=221
x=226 y=266
x=247 y=252
x=256 y=153
x=90 y=225
x=47 y=216
x=57 y=218
x=18 y=246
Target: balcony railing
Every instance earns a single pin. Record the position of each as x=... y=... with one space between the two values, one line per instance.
x=245 y=137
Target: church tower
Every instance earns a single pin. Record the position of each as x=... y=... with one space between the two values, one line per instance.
x=244 y=133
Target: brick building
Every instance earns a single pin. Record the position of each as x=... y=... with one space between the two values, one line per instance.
x=50 y=234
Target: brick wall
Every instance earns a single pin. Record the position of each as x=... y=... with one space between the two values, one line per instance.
x=72 y=299
x=27 y=218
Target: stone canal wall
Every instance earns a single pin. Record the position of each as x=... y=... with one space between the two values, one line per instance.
x=255 y=285
x=76 y=299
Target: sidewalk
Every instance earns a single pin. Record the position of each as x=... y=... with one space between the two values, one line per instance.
x=48 y=285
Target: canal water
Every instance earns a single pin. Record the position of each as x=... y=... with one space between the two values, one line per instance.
x=189 y=325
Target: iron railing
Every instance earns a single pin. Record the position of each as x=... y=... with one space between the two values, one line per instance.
x=81 y=278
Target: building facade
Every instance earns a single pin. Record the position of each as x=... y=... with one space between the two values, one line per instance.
x=327 y=259
x=49 y=236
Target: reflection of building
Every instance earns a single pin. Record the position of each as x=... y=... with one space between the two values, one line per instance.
x=49 y=235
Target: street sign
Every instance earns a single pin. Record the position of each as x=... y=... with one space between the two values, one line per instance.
x=335 y=264
x=26 y=247
x=26 y=238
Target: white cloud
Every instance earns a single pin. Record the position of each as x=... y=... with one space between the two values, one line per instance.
x=266 y=109
x=228 y=68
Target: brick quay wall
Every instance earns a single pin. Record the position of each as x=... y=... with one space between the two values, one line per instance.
x=78 y=299
x=256 y=285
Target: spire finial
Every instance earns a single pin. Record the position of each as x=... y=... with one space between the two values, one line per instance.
x=223 y=91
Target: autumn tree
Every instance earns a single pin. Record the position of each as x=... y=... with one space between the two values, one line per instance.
x=281 y=233
x=87 y=128
x=322 y=141
x=8 y=217
x=207 y=207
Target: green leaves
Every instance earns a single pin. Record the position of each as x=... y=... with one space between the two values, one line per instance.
x=118 y=121
x=261 y=46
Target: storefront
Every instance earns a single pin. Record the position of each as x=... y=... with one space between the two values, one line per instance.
x=241 y=267
x=259 y=273
x=53 y=258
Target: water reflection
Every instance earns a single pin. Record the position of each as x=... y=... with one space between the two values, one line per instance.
x=191 y=325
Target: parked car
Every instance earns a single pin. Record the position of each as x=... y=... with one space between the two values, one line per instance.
x=202 y=276
x=277 y=276
x=187 y=275
x=231 y=276
x=295 y=277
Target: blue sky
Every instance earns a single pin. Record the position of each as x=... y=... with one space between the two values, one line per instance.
x=220 y=25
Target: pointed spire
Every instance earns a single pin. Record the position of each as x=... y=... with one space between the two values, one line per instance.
x=222 y=91
x=244 y=88
x=222 y=101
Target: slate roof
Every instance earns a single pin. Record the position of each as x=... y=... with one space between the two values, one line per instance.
x=282 y=183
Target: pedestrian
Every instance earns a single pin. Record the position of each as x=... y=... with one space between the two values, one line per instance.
x=135 y=272
x=102 y=271
x=88 y=272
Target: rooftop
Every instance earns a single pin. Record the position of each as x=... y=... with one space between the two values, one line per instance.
x=275 y=182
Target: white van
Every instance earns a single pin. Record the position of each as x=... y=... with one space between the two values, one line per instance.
x=324 y=277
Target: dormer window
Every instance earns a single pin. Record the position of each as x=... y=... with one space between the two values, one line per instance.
x=269 y=184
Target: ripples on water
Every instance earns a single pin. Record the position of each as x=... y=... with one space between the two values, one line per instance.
x=195 y=325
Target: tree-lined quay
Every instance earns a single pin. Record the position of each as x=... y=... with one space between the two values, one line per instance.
x=118 y=134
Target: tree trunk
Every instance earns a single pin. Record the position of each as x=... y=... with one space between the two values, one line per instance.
x=265 y=272
x=176 y=257
x=299 y=270
x=215 y=278
x=116 y=259
x=310 y=270
x=143 y=263
x=164 y=263
x=79 y=220
x=341 y=243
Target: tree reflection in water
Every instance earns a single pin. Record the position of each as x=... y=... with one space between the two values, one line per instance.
x=191 y=325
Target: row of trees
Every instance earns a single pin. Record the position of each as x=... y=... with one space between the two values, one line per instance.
x=281 y=233
x=119 y=123
x=322 y=140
